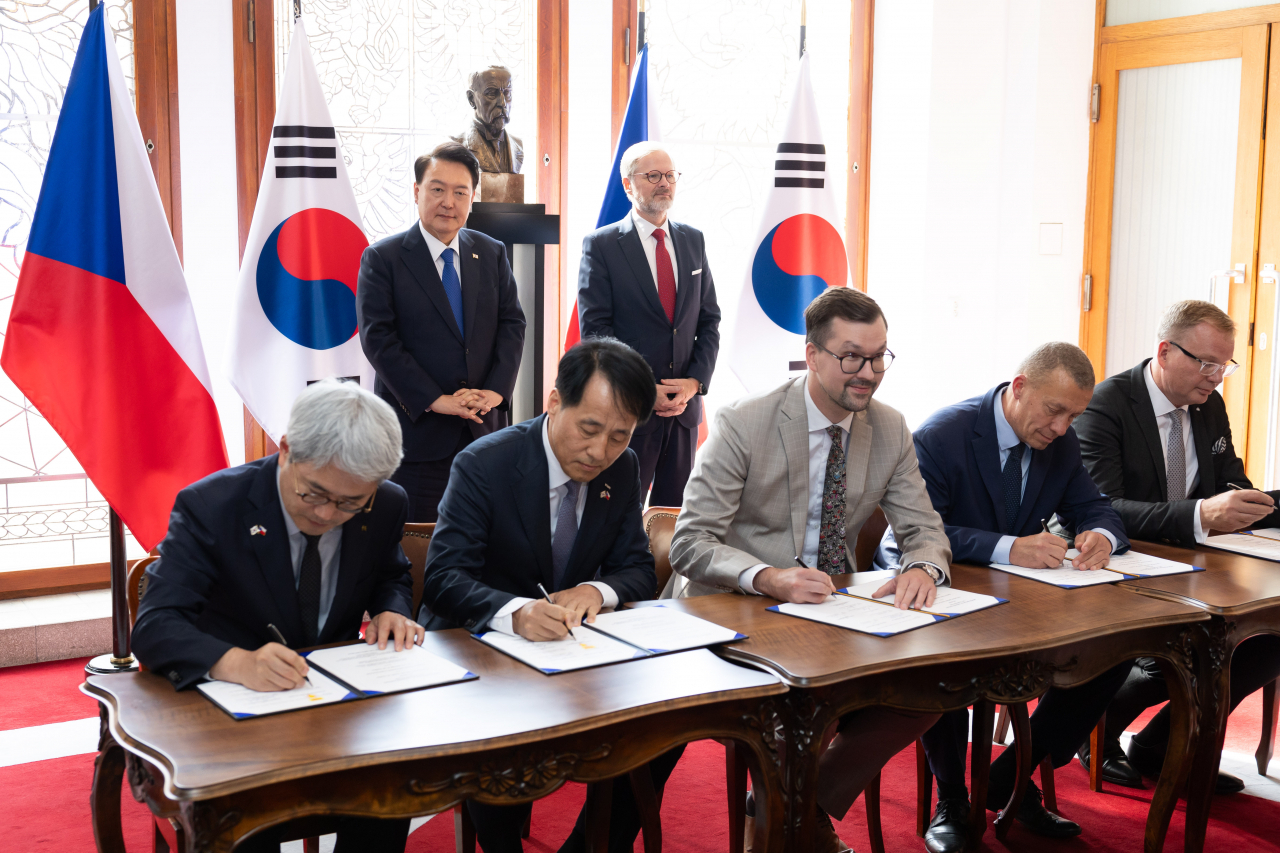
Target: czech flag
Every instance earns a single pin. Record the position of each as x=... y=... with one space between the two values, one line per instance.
x=640 y=124
x=799 y=252
x=102 y=338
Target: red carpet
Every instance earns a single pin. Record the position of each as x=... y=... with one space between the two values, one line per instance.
x=47 y=804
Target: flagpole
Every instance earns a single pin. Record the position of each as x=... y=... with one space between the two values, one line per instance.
x=802 y=17
x=640 y=27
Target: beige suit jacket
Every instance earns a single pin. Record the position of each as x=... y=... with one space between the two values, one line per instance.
x=747 y=501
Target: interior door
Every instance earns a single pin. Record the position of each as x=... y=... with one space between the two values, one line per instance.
x=1175 y=193
x=1264 y=400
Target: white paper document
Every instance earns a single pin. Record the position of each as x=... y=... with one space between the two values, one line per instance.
x=241 y=702
x=1254 y=544
x=562 y=655
x=661 y=629
x=1065 y=576
x=1133 y=564
x=948 y=602
x=859 y=614
x=1266 y=532
x=371 y=670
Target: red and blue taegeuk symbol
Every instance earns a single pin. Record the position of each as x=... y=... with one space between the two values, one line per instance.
x=801 y=257
x=307 y=277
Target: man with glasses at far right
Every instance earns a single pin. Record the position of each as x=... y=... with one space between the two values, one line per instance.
x=1157 y=442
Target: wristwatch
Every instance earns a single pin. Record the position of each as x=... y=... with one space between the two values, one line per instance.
x=934 y=573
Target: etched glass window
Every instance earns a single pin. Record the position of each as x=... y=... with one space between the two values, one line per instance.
x=395 y=74
x=50 y=514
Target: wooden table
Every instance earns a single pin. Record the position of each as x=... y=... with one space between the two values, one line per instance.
x=511 y=736
x=1242 y=595
x=1044 y=636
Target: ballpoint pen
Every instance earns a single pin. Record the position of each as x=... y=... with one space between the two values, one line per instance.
x=275 y=632
x=547 y=597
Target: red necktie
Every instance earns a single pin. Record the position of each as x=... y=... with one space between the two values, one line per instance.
x=666 y=276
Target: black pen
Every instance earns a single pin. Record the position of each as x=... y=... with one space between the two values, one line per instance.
x=275 y=632
x=801 y=563
x=542 y=589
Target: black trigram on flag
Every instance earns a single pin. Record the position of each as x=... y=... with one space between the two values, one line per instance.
x=800 y=165
x=309 y=152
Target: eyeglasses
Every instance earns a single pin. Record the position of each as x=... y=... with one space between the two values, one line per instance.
x=1208 y=368
x=853 y=363
x=655 y=177
x=339 y=504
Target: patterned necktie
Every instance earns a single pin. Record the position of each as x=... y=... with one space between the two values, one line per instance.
x=666 y=276
x=566 y=532
x=452 y=287
x=309 y=591
x=1175 y=462
x=1011 y=476
x=831 y=541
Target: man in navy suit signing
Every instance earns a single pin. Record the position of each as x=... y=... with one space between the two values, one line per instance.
x=554 y=500
x=442 y=326
x=303 y=543
x=645 y=280
x=998 y=468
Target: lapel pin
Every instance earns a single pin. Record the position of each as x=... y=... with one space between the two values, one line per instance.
x=605 y=494
x=474 y=255
x=364 y=528
x=257 y=530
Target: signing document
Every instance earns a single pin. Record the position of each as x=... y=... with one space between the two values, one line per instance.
x=241 y=702
x=622 y=635
x=1257 y=544
x=1120 y=567
x=855 y=609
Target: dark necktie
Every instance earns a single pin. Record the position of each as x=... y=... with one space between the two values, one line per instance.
x=1175 y=465
x=566 y=532
x=309 y=591
x=452 y=287
x=1012 y=478
x=831 y=534
x=666 y=276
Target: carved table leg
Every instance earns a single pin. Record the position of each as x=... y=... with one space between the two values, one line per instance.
x=1048 y=786
x=647 y=804
x=1270 y=715
x=980 y=769
x=924 y=790
x=464 y=831
x=1022 y=772
x=871 y=796
x=104 y=796
x=1214 y=681
x=804 y=744
x=735 y=771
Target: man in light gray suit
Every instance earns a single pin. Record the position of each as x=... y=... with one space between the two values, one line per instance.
x=774 y=485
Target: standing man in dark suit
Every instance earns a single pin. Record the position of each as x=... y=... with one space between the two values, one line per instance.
x=304 y=541
x=645 y=280
x=441 y=325
x=997 y=467
x=555 y=500
x=1158 y=443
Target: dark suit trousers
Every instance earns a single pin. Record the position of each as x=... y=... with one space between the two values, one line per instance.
x=355 y=835
x=1061 y=722
x=666 y=459
x=1255 y=664
x=498 y=827
x=425 y=482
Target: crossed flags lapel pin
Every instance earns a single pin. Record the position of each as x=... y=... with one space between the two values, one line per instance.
x=257 y=530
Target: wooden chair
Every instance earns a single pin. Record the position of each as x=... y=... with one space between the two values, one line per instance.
x=417 y=538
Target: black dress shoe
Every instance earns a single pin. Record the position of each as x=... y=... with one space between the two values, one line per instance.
x=1116 y=768
x=1035 y=817
x=1148 y=761
x=949 y=829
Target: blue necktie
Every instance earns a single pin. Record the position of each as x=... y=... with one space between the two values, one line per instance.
x=1012 y=478
x=452 y=287
x=566 y=532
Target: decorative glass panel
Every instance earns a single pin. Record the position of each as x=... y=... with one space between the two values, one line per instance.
x=50 y=514
x=395 y=73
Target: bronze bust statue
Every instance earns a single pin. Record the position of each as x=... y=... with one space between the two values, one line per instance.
x=490 y=96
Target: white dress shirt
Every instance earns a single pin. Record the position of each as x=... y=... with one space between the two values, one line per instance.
x=330 y=546
x=558 y=488
x=819 y=448
x=645 y=229
x=437 y=249
x=1164 y=420
x=1008 y=440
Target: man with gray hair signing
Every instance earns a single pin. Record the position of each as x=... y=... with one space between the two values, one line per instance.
x=645 y=280
x=304 y=543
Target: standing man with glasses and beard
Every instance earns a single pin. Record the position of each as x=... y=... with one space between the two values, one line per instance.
x=1157 y=441
x=645 y=280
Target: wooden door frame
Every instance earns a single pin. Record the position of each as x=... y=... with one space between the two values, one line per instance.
x=862 y=20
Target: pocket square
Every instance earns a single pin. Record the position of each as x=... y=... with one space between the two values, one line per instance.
x=1220 y=446
x=698 y=271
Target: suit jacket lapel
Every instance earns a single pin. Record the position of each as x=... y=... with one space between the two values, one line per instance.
x=532 y=486
x=271 y=548
x=795 y=443
x=416 y=256
x=1208 y=477
x=633 y=250
x=684 y=263
x=1146 y=415
x=986 y=449
x=472 y=275
x=856 y=459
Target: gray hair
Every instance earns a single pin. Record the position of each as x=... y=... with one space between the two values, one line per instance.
x=636 y=153
x=1189 y=313
x=339 y=423
x=1047 y=358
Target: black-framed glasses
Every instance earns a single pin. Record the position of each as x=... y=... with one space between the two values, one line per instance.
x=351 y=507
x=1208 y=368
x=655 y=176
x=853 y=363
